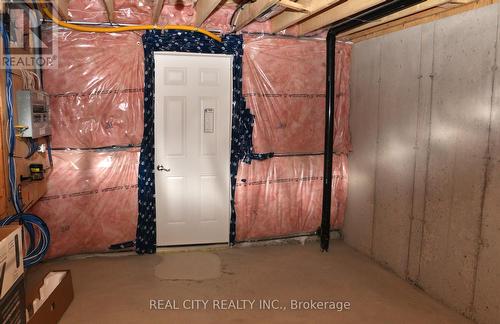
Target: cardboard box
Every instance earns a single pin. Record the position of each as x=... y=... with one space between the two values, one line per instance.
x=11 y=257
x=12 y=306
x=47 y=301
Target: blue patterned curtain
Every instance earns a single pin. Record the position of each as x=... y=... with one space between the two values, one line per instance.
x=241 y=145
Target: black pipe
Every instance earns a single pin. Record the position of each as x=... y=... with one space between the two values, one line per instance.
x=329 y=128
x=354 y=21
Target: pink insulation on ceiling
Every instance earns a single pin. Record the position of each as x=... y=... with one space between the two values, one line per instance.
x=173 y=13
x=91 y=200
x=97 y=101
x=283 y=196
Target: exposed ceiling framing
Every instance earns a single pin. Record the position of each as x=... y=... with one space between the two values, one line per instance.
x=110 y=9
x=314 y=15
x=289 y=18
x=204 y=8
x=61 y=6
x=253 y=10
x=415 y=18
x=310 y=16
x=157 y=7
x=335 y=14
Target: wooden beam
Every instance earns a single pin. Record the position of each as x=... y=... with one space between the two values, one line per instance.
x=399 y=22
x=390 y=24
x=400 y=14
x=203 y=9
x=110 y=9
x=335 y=14
x=289 y=18
x=252 y=11
x=293 y=5
x=415 y=20
x=157 y=7
x=61 y=6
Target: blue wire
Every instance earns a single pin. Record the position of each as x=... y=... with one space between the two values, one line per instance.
x=10 y=122
x=37 y=252
x=33 y=147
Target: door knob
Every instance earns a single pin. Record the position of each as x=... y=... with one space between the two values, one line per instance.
x=161 y=168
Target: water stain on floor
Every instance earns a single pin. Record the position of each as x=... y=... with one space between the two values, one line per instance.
x=189 y=266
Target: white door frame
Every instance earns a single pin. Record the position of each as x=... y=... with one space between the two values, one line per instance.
x=229 y=135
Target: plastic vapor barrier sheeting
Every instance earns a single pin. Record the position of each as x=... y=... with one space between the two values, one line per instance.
x=91 y=200
x=97 y=95
x=284 y=85
x=130 y=12
x=179 y=13
x=283 y=196
x=97 y=99
x=97 y=102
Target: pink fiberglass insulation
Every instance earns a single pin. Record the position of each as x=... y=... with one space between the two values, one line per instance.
x=91 y=201
x=173 y=13
x=284 y=84
x=125 y=11
x=97 y=101
x=283 y=196
x=97 y=95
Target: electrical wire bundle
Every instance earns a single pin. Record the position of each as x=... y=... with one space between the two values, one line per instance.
x=33 y=147
x=38 y=243
x=33 y=225
x=31 y=80
x=236 y=13
x=11 y=140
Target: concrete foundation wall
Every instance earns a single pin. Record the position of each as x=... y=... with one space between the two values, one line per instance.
x=424 y=191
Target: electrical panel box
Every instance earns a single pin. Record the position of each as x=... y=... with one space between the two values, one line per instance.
x=33 y=113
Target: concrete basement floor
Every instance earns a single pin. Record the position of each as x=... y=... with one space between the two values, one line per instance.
x=118 y=289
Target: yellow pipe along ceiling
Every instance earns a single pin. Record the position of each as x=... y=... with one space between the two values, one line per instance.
x=47 y=12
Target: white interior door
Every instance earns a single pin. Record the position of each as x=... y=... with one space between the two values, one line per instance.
x=192 y=147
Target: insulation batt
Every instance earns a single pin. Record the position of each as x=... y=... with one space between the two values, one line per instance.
x=283 y=196
x=97 y=95
x=284 y=85
x=173 y=13
x=97 y=101
x=91 y=200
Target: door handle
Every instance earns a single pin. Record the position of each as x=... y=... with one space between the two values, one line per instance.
x=161 y=168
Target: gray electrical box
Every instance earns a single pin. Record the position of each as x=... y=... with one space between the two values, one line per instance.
x=33 y=114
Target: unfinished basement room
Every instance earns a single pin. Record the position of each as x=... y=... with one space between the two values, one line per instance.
x=250 y=161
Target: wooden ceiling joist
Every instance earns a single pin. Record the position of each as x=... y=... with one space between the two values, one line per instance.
x=417 y=19
x=289 y=18
x=335 y=14
x=400 y=14
x=157 y=7
x=110 y=9
x=61 y=6
x=204 y=8
x=294 y=5
x=399 y=22
x=253 y=10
